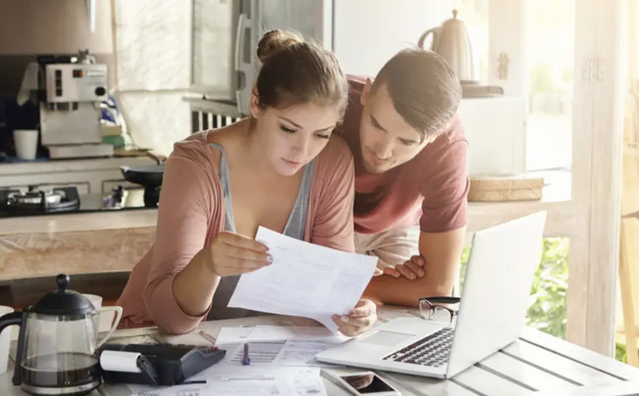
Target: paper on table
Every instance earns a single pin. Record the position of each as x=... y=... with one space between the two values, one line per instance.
x=178 y=390
x=259 y=352
x=249 y=381
x=265 y=333
x=308 y=382
x=233 y=335
x=302 y=353
x=262 y=356
x=271 y=346
x=279 y=382
x=304 y=280
x=250 y=384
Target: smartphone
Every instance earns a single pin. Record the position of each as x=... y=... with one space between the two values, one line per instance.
x=365 y=383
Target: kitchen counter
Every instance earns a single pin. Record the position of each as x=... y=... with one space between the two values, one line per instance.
x=84 y=243
x=114 y=241
x=79 y=222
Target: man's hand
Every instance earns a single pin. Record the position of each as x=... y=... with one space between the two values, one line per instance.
x=440 y=254
x=411 y=269
x=358 y=320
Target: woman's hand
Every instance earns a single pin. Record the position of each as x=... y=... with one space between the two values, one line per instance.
x=411 y=269
x=358 y=320
x=235 y=254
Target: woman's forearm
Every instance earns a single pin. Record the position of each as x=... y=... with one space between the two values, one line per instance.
x=195 y=285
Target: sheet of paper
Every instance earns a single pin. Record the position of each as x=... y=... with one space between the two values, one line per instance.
x=249 y=384
x=304 y=280
x=308 y=382
x=262 y=356
x=267 y=333
x=230 y=385
x=260 y=380
x=259 y=352
x=248 y=381
x=302 y=353
x=261 y=333
x=178 y=390
x=233 y=335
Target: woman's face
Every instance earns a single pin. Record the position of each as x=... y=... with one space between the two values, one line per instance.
x=292 y=137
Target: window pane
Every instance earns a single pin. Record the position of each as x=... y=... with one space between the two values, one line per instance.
x=551 y=39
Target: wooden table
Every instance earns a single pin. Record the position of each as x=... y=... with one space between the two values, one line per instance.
x=535 y=364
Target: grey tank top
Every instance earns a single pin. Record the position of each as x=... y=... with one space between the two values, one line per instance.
x=295 y=228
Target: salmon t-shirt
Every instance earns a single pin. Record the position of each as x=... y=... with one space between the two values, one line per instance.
x=431 y=189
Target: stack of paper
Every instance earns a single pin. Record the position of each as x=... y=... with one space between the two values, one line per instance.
x=274 y=346
x=304 y=280
x=253 y=382
x=260 y=333
x=282 y=363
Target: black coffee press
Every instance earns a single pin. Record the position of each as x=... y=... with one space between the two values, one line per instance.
x=57 y=345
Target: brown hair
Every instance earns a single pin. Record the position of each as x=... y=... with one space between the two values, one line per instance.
x=424 y=89
x=298 y=72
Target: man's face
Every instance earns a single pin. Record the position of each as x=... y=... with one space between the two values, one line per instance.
x=387 y=141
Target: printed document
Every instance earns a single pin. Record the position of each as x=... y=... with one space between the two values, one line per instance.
x=249 y=382
x=302 y=353
x=304 y=280
x=265 y=333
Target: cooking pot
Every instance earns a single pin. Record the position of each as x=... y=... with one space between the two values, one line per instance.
x=148 y=176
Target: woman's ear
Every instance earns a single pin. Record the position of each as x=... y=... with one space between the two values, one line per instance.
x=254 y=104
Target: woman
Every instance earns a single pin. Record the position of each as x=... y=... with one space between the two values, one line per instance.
x=280 y=169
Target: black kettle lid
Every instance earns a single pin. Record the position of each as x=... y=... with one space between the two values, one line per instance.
x=63 y=301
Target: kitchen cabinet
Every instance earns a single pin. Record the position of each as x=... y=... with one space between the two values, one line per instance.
x=90 y=176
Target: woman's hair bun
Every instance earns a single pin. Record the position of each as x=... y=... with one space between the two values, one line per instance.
x=274 y=41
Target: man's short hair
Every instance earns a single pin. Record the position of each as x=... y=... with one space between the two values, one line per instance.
x=424 y=89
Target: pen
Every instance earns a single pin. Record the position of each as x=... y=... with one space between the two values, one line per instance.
x=246 y=360
x=207 y=337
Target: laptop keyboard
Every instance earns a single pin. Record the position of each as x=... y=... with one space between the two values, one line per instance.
x=432 y=350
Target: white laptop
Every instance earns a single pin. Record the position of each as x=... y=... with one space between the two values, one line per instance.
x=492 y=311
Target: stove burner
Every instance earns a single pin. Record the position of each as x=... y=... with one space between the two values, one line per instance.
x=36 y=202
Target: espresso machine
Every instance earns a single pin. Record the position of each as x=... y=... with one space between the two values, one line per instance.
x=71 y=89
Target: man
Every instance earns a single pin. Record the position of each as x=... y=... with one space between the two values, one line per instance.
x=411 y=168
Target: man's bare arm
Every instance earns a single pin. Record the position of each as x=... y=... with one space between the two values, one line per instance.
x=441 y=252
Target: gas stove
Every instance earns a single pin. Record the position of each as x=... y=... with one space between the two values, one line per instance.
x=39 y=202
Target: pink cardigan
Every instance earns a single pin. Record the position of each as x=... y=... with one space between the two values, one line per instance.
x=191 y=213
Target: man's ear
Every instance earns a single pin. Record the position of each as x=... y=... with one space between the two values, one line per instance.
x=366 y=92
x=254 y=104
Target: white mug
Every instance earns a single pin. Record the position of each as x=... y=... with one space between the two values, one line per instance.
x=5 y=341
x=104 y=322
x=26 y=142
